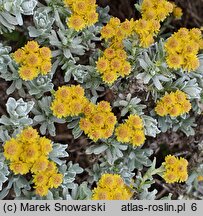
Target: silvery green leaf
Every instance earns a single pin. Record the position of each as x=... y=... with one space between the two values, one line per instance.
x=3 y=173
x=124 y=111
x=77 y=132
x=157 y=83
x=100 y=148
x=59 y=151
x=43 y=128
x=123 y=103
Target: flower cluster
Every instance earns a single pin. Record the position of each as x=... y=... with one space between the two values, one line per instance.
x=176 y=169
x=152 y=13
x=182 y=49
x=98 y=121
x=49 y=178
x=29 y=152
x=83 y=13
x=33 y=60
x=111 y=187
x=156 y=9
x=177 y=11
x=146 y=30
x=115 y=31
x=113 y=64
x=69 y=101
x=173 y=104
x=131 y=131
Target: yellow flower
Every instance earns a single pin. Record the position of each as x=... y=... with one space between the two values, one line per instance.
x=45 y=145
x=109 y=53
x=102 y=64
x=111 y=187
x=69 y=101
x=45 y=67
x=175 y=169
x=59 y=109
x=19 y=55
x=27 y=73
x=19 y=167
x=174 y=104
x=170 y=161
x=110 y=77
x=76 y=22
x=55 y=180
x=161 y=109
x=174 y=60
x=200 y=178
x=12 y=150
x=91 y=17
x=101 y=194
x=135 y=122
x=51 y=167
x=98 y=121
x=40 y=165
x=131 y=131
x=123 y=133
x=28 y=134
x=177 y=12
x=138 y=138
x=32 y=60
x=41 y=190
x=40 y=179
x=170 y=177
x=30 y=153
x=81 y=7
x=45 y=53
x=31 y=46
x=191 y=63
x=182 y=49
x=107 y=32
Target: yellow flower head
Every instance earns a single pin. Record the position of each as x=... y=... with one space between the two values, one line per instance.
x=27 y=73
x=55 y=180
x=83 y=14
x=12 y=150
x=40 y=165
x=173 y=104
x=33 y=60
x=113 y=64
x=131 y=131
x=76 y=22
x=176 y=169
x=69 y=101
x=30 y=153
x=182 y=49
x=41 y=190
x=31 y=46
x=111 y=187
x=45 y=145
x=98 y=121
x=19 y=167
x=19 y=55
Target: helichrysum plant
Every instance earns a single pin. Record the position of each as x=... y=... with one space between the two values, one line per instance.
x=32 y=60
x=111 y=187
x=99 y=108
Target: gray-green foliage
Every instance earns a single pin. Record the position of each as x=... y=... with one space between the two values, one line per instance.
x=154 y=70
x=18 y=117
x=125 y=161
x=131 y=105
x=43 y=116
x=3 y=171
x=12 y=11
